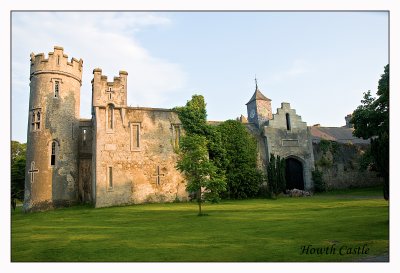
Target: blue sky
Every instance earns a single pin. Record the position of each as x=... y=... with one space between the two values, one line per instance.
x=320 y=62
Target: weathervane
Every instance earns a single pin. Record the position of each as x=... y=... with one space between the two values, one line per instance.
x=255 y=79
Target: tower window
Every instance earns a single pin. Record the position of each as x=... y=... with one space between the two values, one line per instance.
x=58 y=59
x=35 y=120
x=110 y=117
x=288 y=126
x=38 y=120
x=56 y=88
x=53 y=154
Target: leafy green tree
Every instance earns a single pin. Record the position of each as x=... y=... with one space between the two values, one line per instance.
x=194 y=120
x=371 y=120
x=18 y=178
x=194 y=116
x=240 y=166
x=200 y=172
x=18 y=163
x=17 y=150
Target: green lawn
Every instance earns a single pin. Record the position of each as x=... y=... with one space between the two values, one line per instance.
x=249 y=230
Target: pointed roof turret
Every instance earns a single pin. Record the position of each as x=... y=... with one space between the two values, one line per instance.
x=258 y=95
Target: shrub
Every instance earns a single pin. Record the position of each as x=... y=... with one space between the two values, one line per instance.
x=319 y=183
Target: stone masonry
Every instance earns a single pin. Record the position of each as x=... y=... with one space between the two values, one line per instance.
x=122 y=155
x=283 y=134
x=127 y=155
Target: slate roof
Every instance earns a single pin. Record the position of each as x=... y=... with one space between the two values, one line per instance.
x=258 y=96
x=339 y=134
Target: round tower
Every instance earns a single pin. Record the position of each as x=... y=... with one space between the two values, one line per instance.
x=53 y=127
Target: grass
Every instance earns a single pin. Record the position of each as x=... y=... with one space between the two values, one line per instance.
x=258 y=230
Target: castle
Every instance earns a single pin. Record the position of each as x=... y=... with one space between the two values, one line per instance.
x=127 y=155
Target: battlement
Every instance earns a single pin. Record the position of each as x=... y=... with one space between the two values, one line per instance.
x=117 y=80
x=105 y=92
x=57 y=62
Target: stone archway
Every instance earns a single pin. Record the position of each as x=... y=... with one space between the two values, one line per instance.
x=294 y=174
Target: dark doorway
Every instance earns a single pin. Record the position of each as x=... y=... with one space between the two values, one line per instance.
x=294 y=174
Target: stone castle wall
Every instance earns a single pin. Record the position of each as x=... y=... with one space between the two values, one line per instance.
x=294 y=142
x=340 y=166
x=52 y=185
x=140 y=153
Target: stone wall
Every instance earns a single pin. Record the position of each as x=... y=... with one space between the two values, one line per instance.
x=139 y=152
x=293 y=142
x=339 y=163
x=53 y=184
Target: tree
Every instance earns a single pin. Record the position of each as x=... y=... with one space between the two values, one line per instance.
x=271 y=172
x=281 y=174
x=194 y=120
x=371 y=121
x=18 y=163
x=200 y=172
x=17 y=150
x=194 y=115
x=276 y=175
x=243 y=177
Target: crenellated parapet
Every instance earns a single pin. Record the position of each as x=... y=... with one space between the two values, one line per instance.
x=56 y=63
x=105 y=92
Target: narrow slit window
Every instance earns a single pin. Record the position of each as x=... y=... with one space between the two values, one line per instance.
x=58 y=60
x=33 y=121
x=176 y=134
x=84 y=137
x=110 y=117
x=56 y=88
x=110 y=177
x=53 y=154
x=135 y=136
x=288 y=126
x=38 y=120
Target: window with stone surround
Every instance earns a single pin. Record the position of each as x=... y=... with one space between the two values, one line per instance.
x=36 y=118
x=176 y=135
x=56 y=88
x=53 y=154
x=110 y=120
x=288 y=125
x=110 y=182
x=54 y=148
x=135 y=136
x=56 y=85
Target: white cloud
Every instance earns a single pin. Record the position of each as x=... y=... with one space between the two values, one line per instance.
x=102 y=39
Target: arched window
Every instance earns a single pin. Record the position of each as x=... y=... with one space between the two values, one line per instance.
x=53 y=153
x=288 y=126
x=110 y=117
